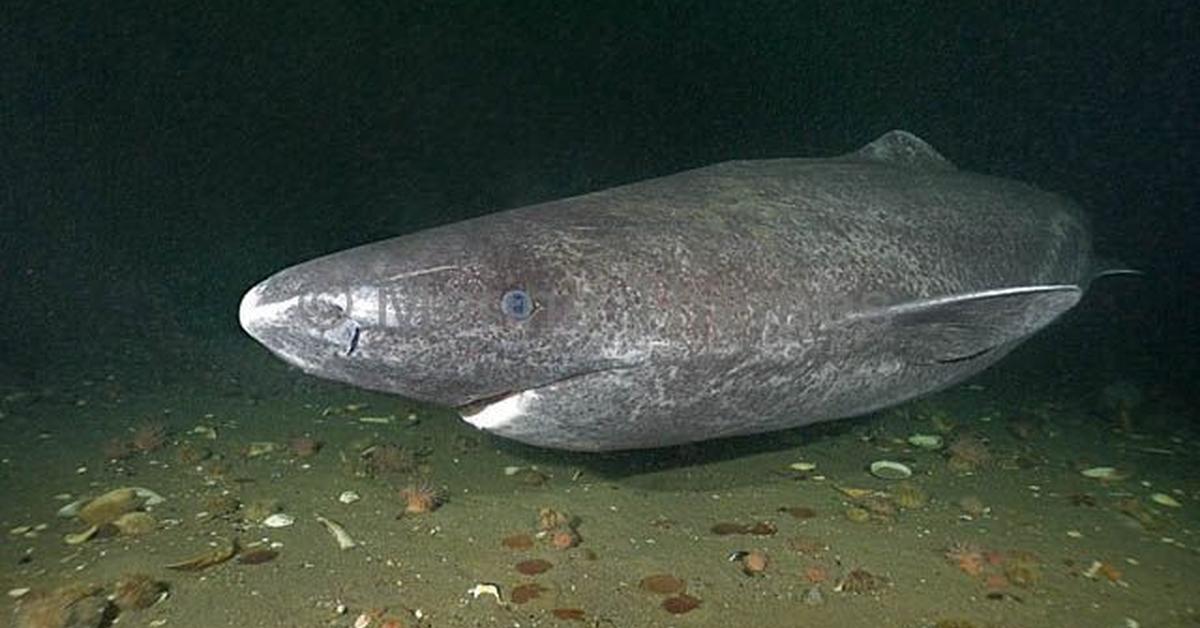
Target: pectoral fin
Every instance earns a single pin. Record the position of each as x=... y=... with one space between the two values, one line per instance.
x=961 y=327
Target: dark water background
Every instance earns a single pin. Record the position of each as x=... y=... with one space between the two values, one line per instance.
x=155 y=161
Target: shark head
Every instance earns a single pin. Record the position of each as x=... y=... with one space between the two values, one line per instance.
x=482 y=319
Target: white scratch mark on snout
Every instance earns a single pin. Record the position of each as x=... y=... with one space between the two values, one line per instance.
x=423 y=271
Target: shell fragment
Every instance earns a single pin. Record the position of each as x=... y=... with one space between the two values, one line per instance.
x=1162 y=499
x=79 y=538
x=343 y=538
x=926 y=441
x=485 y=588
x=1104 y=473
x=279 y=520
x=890 y=470
x=206 y=431
x=148 y=497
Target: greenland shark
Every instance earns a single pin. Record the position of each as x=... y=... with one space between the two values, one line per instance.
x=737 y=298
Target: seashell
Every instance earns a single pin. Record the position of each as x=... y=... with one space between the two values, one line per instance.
x=148 y=497
x=1104 y=473
x=279 y=520
x=926 y=441
x=207 y=431
x=109 y=506
x=214 y=556
x=890 y=470
x=72 y=509
x=349 y=497
x=1162 y=499
x=803 y=466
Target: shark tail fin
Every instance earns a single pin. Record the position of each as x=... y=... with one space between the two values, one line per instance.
x=1111 y=268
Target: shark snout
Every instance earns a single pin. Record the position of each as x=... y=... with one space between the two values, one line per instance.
x=318 y=331
x=270 y=322
x=249 y=313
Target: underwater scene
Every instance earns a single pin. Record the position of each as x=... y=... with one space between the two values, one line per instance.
x=620 y=314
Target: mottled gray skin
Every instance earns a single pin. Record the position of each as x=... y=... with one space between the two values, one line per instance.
x=738 y=298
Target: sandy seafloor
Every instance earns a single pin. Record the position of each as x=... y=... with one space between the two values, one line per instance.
x=1056 y=548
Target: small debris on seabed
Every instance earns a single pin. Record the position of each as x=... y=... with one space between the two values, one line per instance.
x=343 y=538
x=485 y=588
x=279 y=520
x=1163 y=499
x=209 y=558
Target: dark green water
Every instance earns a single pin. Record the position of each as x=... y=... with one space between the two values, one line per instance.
x=157 y=162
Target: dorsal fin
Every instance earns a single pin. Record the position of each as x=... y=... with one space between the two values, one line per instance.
x=901 y=148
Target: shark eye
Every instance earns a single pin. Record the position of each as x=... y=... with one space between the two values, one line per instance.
x=517 y=304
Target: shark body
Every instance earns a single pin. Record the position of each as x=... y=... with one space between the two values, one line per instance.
x=736 y=298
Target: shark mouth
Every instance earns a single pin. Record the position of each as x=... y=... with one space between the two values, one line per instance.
x=494 y=412
x=472 y=408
